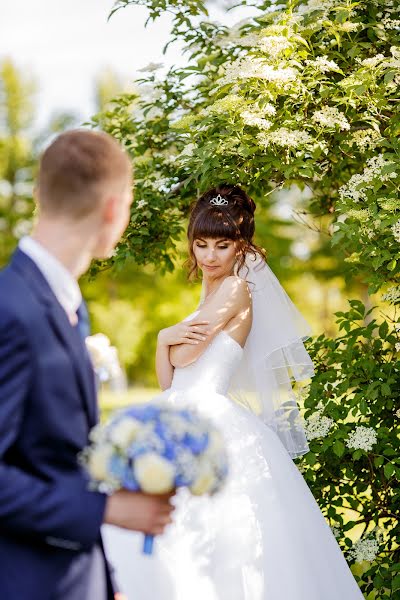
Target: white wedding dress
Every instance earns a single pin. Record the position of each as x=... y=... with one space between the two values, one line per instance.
x=263 y=537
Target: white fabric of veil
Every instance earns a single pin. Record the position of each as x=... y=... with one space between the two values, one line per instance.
x=274 y=356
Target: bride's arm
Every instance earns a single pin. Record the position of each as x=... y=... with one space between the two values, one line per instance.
x=164 y=369
x=232 y=299
x=193 y=332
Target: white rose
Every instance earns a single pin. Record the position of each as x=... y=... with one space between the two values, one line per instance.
x=98 y=462
x=124 y=432
x=215 y=443
x=98 y=346
x=154 y=474
x=205 y=480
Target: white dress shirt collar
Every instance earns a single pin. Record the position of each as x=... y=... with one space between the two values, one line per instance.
x=62 y=283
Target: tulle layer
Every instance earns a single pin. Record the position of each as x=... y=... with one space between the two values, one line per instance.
x=262 y=537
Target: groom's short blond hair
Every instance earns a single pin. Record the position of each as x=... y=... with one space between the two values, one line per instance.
x=77 y=169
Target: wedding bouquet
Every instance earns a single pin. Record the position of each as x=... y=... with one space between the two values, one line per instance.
x=156 y=449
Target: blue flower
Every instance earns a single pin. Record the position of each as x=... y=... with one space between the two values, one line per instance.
x=195 y=443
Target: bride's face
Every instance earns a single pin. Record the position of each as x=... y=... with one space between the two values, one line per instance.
x=215 y=257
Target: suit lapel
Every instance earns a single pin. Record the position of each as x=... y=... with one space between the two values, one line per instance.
x=66 y=333
x=72 y=340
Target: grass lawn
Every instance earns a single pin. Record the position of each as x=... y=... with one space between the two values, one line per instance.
x=110 y=401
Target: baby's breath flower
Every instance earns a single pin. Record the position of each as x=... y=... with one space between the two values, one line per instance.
x=397 y=348
x=362 y=438
x=398 y=413
x=330 y=116
x=141 y=204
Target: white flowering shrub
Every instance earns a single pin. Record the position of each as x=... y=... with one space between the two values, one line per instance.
x=305 y=96
x=302 y=93
x=353 y=427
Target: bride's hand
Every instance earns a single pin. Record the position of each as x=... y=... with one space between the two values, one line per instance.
x=186 y=332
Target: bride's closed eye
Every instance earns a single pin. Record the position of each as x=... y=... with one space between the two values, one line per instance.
x=222 y=247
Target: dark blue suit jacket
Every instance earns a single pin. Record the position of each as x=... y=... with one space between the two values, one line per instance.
x=49 y=520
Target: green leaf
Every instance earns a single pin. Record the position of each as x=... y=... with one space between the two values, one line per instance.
x=339 y=448
x=383 y=329
x=389 y=469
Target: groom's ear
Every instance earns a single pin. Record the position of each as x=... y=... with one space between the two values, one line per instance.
x=110 y=209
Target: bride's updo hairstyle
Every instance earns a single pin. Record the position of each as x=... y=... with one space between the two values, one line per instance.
x=227 y=212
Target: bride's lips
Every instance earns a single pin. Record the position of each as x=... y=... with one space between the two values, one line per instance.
x=210 y=267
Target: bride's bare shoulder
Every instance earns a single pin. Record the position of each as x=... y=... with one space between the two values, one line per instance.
x=235 y=289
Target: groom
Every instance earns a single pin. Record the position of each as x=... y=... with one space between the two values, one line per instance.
x=50 y=543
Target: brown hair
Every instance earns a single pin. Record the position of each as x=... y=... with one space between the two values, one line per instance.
x=232 y=220
x=74 y=169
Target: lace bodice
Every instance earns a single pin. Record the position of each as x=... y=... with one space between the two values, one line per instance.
x=213 y=369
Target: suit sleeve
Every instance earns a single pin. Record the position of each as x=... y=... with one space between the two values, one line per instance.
x=62 y=514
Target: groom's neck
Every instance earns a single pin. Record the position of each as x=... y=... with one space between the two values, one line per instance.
x=69 y=242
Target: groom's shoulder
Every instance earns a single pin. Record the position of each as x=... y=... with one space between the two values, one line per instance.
x=17 y=305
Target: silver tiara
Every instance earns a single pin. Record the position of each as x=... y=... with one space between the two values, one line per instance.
x=219 y=201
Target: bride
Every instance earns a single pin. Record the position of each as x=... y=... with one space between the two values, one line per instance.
x=263 y=536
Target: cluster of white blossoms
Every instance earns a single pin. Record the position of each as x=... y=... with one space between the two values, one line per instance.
x=319 y=5
x=323 y=64
x=141 y=204
x=396 y=231
x=224 y=105
x=317 y=425
x=389 y=23
x=254 y=119
x=257 y=68
x=274 y=45
x=365 y=139
x=363 y=438
x=389 y=204
x=363 y=215
x=287 y=138
x=356 y=187
x=335 y=528
x=392 y=294
x=349 y=26
x=329 y=116
x=364 y=549
x=373 y=61
x=397 y=348
x=398 y=413
x=151 y=67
